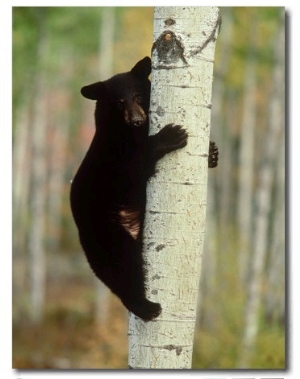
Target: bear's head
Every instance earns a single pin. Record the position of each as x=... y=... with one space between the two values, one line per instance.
x=126 y=95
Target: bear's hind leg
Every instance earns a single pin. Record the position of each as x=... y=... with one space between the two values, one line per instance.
x=134 y=297
x=130 y=290
x=125 y=275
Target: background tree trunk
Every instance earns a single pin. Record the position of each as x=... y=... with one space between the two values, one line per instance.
x=60 y=137
x=246 y=164
x=107 y=32
x=21 y=174
x=272 y=143
x=37 y=205
x=220 y=177
x=182 y=77
x=275 y=302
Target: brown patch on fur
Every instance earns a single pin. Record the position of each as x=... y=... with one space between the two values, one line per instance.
x=126 y=116
x=129 y=219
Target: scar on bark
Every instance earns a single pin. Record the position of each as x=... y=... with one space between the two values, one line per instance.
x=169 y=48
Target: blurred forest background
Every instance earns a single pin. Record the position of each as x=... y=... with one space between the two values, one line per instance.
x=62 y=316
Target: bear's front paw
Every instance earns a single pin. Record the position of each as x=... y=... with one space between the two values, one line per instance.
x=172 y=137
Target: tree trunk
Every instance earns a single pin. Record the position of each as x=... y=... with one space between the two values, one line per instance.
x=246 y=164
x=263 y=204
x=38 y=190
x=221 y=178
x=275 y=296
x=182 y=61
x=60 y=132
x=107 y=30
x=21 y=175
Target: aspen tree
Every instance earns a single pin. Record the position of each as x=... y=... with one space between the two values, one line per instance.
x=182 y=74
x=266 y=174
x=37 y=201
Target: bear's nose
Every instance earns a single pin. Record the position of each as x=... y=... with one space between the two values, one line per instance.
x=137 y=121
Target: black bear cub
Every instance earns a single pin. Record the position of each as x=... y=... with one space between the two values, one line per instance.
x=108 y=193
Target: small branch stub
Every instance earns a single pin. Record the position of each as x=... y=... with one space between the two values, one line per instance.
x=170 y=22
x=169 y=49
x=173 y=48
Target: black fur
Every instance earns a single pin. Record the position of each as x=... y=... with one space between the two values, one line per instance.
x=108 y=193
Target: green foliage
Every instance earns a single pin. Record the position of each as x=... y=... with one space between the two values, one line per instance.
x=249 y=24
x=134 y=40
x=218 y=337
x=25 y=37
x=69 y=337
x=218 y=349
x=270 y=351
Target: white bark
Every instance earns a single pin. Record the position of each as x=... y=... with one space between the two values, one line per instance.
x=105 y=71
x=36 y=238
x=246 y=165
x=176 y=205
x=107 y=31
x=21 y=176
x=220 y=178
x=60 y=129
x=263 y=204
x=275 y=296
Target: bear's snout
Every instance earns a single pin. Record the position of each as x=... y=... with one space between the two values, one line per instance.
x=135 y=117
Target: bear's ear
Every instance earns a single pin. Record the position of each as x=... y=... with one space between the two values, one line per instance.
x=93 y=91
x=143 y=68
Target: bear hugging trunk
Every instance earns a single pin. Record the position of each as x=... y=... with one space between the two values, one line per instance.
x=108 y=193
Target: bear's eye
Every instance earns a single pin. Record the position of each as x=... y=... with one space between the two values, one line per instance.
x=138 y=99
x=121 y=104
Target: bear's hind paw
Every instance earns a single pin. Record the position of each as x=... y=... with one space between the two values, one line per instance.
x=146 y=310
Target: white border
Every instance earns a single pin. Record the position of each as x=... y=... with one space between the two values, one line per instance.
x=5 y=185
